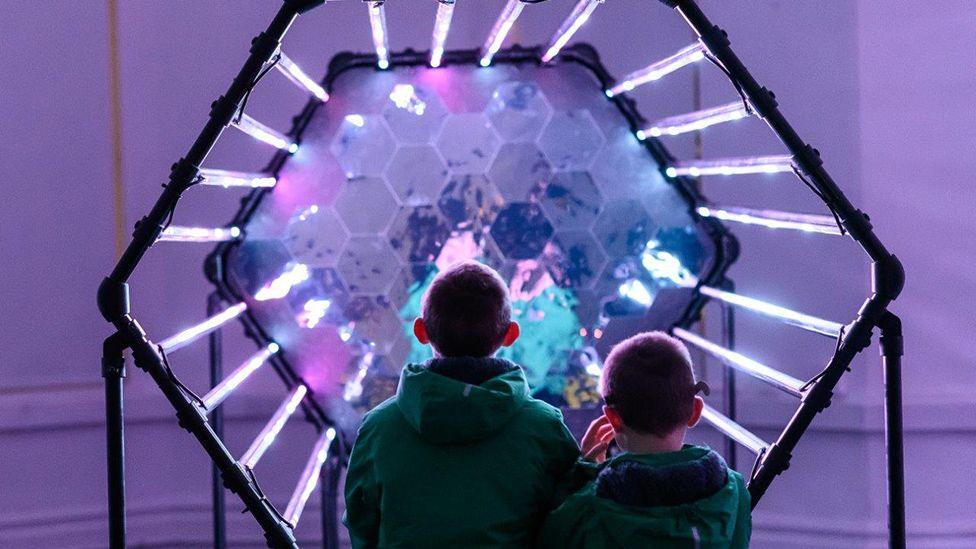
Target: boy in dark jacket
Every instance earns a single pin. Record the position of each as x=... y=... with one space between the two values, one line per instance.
x=659 y=492
x=462 y=456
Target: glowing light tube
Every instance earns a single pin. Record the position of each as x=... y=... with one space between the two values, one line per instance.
x=273 y=427
x=656 y=71
x=807 y=322
x=227 y=385
x=772 y=219
x=175 y=233
x=229 y=178
x=783 y=382
x=580 y=14
x=298 y=77
x=733 y=166
x=503 y=25
x=734 y=431
x=377 y=23
x=693 y=121
x=263 y=133
x=310 y=477
x=442 y=24
x=191 y=334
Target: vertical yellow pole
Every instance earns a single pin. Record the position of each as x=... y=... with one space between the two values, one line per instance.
x=115 y=117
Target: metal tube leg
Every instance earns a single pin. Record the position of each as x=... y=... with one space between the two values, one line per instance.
x=113 y=371
x=891 y=351
x=728 y=339
x=217 y=422
x=330 y=510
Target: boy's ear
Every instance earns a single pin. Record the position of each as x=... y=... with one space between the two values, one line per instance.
x=511 y=335
x=615 y=420
x=696 y=411
x=420 y=331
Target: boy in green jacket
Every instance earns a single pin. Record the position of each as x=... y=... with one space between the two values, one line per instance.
x=462 y=456
x=659 y=492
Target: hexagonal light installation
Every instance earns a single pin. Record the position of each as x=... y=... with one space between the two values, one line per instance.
x=529 y=169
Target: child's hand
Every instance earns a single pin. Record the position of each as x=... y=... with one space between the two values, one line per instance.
x=597 y=439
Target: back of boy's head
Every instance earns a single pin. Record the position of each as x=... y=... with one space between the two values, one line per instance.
x=466 y=310
x=649 y=381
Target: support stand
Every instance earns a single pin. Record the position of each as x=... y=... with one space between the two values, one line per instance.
x=217 y=420
x=331 y=474
x=729 y=394
x=113 y=371
x=891 y=352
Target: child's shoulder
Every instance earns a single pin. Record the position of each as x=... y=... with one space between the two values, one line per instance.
x=542 y=413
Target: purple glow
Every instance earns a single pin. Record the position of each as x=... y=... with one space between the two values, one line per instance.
x=795 y=318
x=733 y=430
x=698 y=120
x=656 y=71
x=296 y=273
x=310 y=477
x=192 y=333
x=377 y=24
x=264 y=134
x=229 y=178
x=503 y=25
x=223 y=389
x=298 y=77
x=733 y=166
x=175 y=233
x=732 y=359
x=442 y=24
x=273 y=427
x=772 y=219
x=580 y=14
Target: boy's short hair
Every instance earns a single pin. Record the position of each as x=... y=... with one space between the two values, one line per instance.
x=648 y=379
x=467 y=310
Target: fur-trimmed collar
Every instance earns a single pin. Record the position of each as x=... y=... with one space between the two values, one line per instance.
x=630 y=482
x=470 y=370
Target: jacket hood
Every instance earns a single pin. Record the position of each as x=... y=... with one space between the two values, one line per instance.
x=664 y=495
x=461 y=399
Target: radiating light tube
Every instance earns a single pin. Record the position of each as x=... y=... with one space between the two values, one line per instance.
x=693 y=121
x=263 y=133
x=580 y=14
x=656 y=71
x=227 y=385
x=503 y=25
x=442 y=24
x=310 y=477
x=732 y=359
x=175 y=233
x=733 y=430
x=377 y=23
x=733 y=166
x=298 y=77
x=191 y=334
x=772 y=219
x=273 y=427
x=230 y=178
x=807 y=322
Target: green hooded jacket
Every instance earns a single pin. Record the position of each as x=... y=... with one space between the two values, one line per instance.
x=684 y=499
x=462 y=456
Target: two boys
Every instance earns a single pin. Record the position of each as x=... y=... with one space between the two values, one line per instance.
x=462 y=456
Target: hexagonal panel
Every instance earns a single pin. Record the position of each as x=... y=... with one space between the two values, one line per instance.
x=414 y=113
x=366 y=205
x=571 y=200
x=375 y=322
x=368 y=265
x=320 y=300
x=623 y=228
x=315 y=236
x=574 y=259
x=418 y=234
x=518 y=111
x=470 y=202
x=520 y=172
x=363 y=145
x=417 y=174
x=467 y=143
x=521 y=231
x=571 y=140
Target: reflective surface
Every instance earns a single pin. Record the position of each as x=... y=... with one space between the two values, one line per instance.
x=404 y=172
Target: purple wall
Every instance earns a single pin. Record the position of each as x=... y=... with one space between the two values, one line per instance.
x=883 y=89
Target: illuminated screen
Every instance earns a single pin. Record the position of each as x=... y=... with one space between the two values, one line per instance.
x=529 y=169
